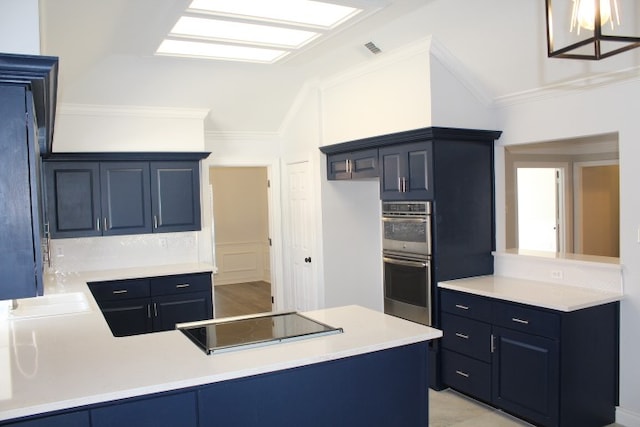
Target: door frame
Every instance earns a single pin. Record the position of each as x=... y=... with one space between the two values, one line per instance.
x=275 y=227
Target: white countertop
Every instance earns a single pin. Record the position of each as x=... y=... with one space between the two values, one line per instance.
x=541 y=294
x=63 y=361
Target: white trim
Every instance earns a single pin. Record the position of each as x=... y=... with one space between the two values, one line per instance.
x=132 y=111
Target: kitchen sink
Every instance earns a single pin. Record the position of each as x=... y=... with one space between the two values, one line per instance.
x=50 y=305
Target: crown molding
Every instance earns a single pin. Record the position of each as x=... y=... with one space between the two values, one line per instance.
x=241 y=136
x=132 y=111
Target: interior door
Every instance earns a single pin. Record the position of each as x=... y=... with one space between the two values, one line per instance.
x=302 y=293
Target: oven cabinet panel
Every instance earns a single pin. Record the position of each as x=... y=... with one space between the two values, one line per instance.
x=353 y=165
x=406 y=171
x=175 y=196
x=526 y=375
x=354 y=391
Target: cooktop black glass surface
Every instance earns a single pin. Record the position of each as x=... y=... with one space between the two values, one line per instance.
x=234 y=333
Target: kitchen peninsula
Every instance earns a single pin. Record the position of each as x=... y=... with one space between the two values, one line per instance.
x=69 y=369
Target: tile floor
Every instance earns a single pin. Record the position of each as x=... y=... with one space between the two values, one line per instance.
x=448 y=408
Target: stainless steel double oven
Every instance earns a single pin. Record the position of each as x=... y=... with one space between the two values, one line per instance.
x=406 y=252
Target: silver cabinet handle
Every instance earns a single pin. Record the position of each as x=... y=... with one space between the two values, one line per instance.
x=463 y=336
x=105 y=224
x=462 y=307
x=183 y=285
x=524 y=322
x=98 y=224
x=493 y=343
x=155 y=221
x=119 y=291
x=463 y=374
x=155 y=309
x=149 y=311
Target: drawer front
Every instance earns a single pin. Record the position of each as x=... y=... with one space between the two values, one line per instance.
x=526 y=319
x=467 y=375
x=467 y=336
x=115 y=290
x=464 y=304
x=183 y=283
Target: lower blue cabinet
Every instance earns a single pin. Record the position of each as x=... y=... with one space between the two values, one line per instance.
x=70 y=419
x=164 y=411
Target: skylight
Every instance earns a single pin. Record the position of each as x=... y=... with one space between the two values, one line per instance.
x=251 y=30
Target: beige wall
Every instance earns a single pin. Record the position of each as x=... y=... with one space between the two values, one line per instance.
x=241 y=222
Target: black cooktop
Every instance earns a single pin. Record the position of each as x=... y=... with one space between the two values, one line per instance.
x=218 y=335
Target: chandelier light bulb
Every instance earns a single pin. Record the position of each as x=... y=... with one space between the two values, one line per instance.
x=583 y=14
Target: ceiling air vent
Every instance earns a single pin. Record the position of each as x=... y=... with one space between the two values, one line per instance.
x=373 y=48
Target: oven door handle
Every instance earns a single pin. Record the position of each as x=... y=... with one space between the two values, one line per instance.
x=404 y=219
x=405 y=263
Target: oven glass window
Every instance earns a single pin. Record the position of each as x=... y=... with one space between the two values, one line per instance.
x=406 y=284
x=404 y=231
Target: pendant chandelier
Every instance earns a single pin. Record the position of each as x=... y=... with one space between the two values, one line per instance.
x=591 y=29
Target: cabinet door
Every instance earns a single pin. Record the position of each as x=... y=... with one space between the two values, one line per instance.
x=128 y=316
x=526 y=375
x=71 y=419
x=175 y=196
x=364 y=164
x=126 y=198
x=338 y=166
x=171 y=309
x=405 y=172
x=73 y=199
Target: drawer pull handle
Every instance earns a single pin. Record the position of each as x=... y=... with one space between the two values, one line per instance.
x=524 y=322
x=462 y=307
x=120 y=291
x=459 y=335
x=183 y=285
x=462 y=374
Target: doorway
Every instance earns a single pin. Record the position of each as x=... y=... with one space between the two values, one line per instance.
x=540 y=206
x=242 y=251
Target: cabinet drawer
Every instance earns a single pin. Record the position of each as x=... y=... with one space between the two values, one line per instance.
x=467 y=375
x=464 y=304
x=526 y=319
x=119 y=289
x=183 y=283
x=466 y=336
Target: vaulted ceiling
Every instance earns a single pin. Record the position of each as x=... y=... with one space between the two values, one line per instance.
x=106 y=56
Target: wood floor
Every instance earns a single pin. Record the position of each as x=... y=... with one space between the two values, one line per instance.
x=240 y=299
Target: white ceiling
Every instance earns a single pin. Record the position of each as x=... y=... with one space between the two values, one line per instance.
x=106 y=56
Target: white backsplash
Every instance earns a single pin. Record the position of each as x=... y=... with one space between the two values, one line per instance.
x=112 y=252
x=595 y=273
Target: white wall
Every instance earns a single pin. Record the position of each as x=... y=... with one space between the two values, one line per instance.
x=569 y=114
x=20 y=27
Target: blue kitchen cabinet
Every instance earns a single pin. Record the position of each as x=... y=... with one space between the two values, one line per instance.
x=175 y=188
x=27 y=96
x=406 y=171
x=353 y=165
x=98 y=199
x=105 y=194
x=171 y=410
x=548 y=367
x=145 y=305
x=69 y=419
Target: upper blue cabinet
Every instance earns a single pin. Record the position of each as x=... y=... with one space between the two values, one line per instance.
x=105 y=194
x=27 y=107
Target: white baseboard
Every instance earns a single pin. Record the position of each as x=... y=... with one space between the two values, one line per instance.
x=627 y=418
